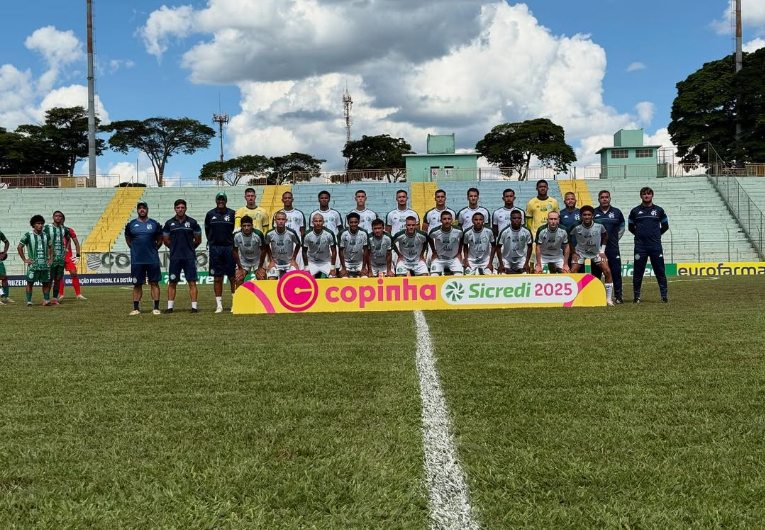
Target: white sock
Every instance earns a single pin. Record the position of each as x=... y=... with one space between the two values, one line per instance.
x=170 y=304
x=219 y=301
x=193 y=305
x=609 y=291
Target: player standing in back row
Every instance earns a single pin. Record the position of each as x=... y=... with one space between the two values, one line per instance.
x=465 y=215
x=366 y=216
x=613 y=219
x=144 y=237
x=648 y=223
x=219 y=230
x=538 y=208
x=395 y=221
x=433 y=216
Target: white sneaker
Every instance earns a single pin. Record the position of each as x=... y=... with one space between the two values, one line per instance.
x=80 y=297
x=156 y=312
x=134 y=312
x=8 y=301
x=609 y=302
x=219 y=309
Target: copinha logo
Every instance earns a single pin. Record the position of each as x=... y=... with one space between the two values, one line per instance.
x=297 y=291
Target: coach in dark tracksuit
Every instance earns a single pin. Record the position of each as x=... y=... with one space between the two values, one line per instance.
x=219 y=229
x=613 y=219
x=648 y=222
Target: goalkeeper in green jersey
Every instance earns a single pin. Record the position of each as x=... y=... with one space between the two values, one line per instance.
x=36 y=250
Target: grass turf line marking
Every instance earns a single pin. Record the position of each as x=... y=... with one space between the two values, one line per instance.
x=449 y=504
x=694 y=280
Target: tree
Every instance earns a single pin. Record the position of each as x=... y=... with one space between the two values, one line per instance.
x=295 y=167
x=160 y=138
x=706 y=107
x=233 y=170
x=512 y=145
x=380 y=152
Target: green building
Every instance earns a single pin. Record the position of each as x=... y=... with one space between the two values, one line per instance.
x=629 y=157
x=441 y=162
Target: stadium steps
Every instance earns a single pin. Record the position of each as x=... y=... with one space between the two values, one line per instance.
x=578 y=188
x=112 y=221
x=271 y=198
x=422 y=197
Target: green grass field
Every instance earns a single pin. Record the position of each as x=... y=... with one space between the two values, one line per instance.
x=637 y=416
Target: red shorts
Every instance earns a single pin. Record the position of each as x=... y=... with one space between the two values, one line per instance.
x=69 y=266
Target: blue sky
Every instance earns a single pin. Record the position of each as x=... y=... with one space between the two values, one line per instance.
x=413 y=68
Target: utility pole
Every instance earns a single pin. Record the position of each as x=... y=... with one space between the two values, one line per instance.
x=221 y=120
x=91 y=102
x=739 y=66
x=347 y=106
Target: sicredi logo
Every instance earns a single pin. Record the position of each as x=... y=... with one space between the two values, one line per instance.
x=503 y=291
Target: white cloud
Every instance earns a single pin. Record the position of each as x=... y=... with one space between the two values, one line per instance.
x=166 y=23
x=754 y=45
x=645 y=111
x=70 y=96
x=58 y=48
x=636 y=66
x=752 y=16
x=116 y=64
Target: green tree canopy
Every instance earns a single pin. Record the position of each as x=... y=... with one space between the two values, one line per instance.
x=233 y=170
x=512 y=145
x=160 y=138
x=706 y=107
x=295 y=167
x=378 y=152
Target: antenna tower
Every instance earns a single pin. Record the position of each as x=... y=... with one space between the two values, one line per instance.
x=347 y=106
x=221 y=120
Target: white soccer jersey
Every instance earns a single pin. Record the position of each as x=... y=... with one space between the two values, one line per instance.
x=479 y=244
x=551 y=242
x=501 y=217
x=588 y=239
x=514 y=244
x=353 y=246
x=282 y=244
x=319 y=246
x=332 y=220
x=410 y=248
x=396 y=219
x=446 y=242
x=295 y=219
x=366 y=217
x=249 y=247
x=378 y=250
x=465 y=216
x=433 y=216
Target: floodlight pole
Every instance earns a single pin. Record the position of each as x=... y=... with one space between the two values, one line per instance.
x=739 y=66
x=91 y=102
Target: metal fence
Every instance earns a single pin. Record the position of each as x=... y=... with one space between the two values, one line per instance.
x=43 y=181
x=743 y=208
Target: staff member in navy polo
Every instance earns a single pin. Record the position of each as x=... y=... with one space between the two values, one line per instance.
x=182 y=235
x=219 y=229
x=648 y=222
x=144 y=237
x=613 y=219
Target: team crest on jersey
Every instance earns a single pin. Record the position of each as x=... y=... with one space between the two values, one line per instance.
x=148 y=226
x=611 y=215
x=576 y=217
x=227 y=218
x=187 y=224
x=654 y=213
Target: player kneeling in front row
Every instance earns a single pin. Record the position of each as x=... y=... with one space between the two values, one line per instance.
x=249 y=251
x=514 y=246
x=320 y=249
x=411 y=245
x=588 y=241
x=380 y=250
x=283 y=245
x=552 y=246
x=354 y=249
x=446 y=245
x=478 y=248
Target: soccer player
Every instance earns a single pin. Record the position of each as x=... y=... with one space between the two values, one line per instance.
x=501 y=217
x=395 y=221
x=259 y=215
x=249 y=251
x=648 y=222
x=570 y=215
x=144 y=237
x=433 y=216
x=182 y=235
x=478 y=249
x=366 y=216
x=295 y=218
x=446 y=247
x=538 y=208
x=320 y=249
x=588 y=242
x=36 y=243
x=59 y=236
x=333 y=221
x=410 y=245
x=282 y=247
x=514 y=246
x=552 y=247
x=70 y=265
x=465 y=215
x=354 y=249
x=380 y=250
x=219 y=230
x=3 y=275
x=613 y=219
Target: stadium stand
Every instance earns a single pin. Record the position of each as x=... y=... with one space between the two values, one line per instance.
x=755 y=188
x=580 y=189
x=110 y=225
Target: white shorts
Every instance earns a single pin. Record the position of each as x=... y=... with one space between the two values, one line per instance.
x=438 y=266
x=278 y=270
x=478 y=268
x=417 y=268
x=514 y=266
x=249 y=267
x=594 y=258
x=354 y=270
x=319 y=268
x=557 y=261
x=376 y=271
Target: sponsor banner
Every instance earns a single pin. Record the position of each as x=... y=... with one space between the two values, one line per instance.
x=85 y=280
x=628 y=270
x=298 y=292
x=721 y=269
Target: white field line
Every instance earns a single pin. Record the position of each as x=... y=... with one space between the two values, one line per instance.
x=449 y=497
x=694 y=280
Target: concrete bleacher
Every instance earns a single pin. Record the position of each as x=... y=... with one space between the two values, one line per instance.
x=82 y=207
x=755 y=188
